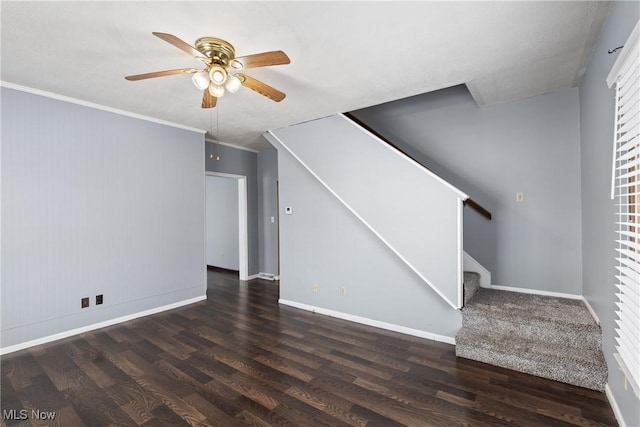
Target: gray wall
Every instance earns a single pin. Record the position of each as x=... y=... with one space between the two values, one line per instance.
x=240 y=162
x=529 y=146
x=267 y=209
x=94 y=203
x=324 y=243
x=596 y=129
x=222 y=222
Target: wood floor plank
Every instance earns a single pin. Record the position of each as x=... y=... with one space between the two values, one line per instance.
x=239 y=358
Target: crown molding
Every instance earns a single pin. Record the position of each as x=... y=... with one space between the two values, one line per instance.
x=77 y=101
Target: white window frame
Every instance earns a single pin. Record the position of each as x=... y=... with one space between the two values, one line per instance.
x=625 y=189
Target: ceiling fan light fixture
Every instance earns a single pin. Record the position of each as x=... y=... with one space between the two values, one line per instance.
x=217 y=74
x=216 y=90
x=201 y=80
x=233 y=83
x=221 y=68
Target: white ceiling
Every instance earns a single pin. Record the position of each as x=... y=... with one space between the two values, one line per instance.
x=344 y=55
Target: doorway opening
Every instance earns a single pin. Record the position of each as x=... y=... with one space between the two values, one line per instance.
x=242 y=234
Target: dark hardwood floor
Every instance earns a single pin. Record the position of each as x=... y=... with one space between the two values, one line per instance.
x=239 y=358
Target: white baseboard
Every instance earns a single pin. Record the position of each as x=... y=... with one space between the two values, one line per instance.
x=253 y=276
x=268 y=276
x=55 y=337
x=591 y=310
x=614 y=406
x=536 y=292
x=371 y=322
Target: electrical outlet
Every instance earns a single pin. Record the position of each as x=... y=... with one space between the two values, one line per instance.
x=315 y=287
x=84 y=302
x=343 y=291
x=98 y=299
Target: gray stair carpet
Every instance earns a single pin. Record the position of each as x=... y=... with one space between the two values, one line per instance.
x=555 y=338
x=471 y=284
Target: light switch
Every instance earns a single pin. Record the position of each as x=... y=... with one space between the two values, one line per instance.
x=273 y=219
x=519 y=197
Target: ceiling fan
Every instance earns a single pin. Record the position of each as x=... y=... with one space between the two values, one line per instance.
x=222 y=68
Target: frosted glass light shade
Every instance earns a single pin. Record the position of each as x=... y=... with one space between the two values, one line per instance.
x=201 y=80
x=233 y=84
x=217 y=74
x=216 y=90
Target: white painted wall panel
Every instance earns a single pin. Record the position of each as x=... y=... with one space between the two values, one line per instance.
x=324 y=243
x=408 y=208
x=597 y=112
x=530 y=146
x=94 y=203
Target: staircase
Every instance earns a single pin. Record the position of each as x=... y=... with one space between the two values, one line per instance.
x=471 y=285
x=550 y=337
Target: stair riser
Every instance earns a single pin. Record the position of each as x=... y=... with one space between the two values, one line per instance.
x=564 y=371
x=587 y=339
x=469 y=291
x=471 y=285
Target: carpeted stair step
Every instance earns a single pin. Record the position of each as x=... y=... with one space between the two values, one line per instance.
x=581 y=367
x=549 y=319
x=471 y=285
x=555 y=338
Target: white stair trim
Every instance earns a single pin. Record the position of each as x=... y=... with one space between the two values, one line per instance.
x=591 y=310
x=614 y=406
x=461 y=194
x=470 y=264
x=536 y=292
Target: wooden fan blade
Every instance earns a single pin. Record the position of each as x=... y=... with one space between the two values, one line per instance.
x=261 y=88
x=208 y=100
x=161 y=74
x=276 y=57
x=180 y=44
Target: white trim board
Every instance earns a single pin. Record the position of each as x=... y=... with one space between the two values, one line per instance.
x=226 y=144
x=460 y=252
x=471 y=264
x=360 y=218
x=591 y=310
x=71 y=100
x=614 y=405
x=243 y=218
x=461 y=194
x=370 y=322
x=55 y=337
x=536 y=292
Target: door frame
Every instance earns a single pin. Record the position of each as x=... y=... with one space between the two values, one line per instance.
x=243 y=234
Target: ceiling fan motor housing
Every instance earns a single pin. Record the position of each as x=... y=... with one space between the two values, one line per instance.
x=220 y=51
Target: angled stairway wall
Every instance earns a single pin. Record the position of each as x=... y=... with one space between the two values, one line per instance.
x=366 y=218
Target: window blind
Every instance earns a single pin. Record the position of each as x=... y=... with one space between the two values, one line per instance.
x=626 y=191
